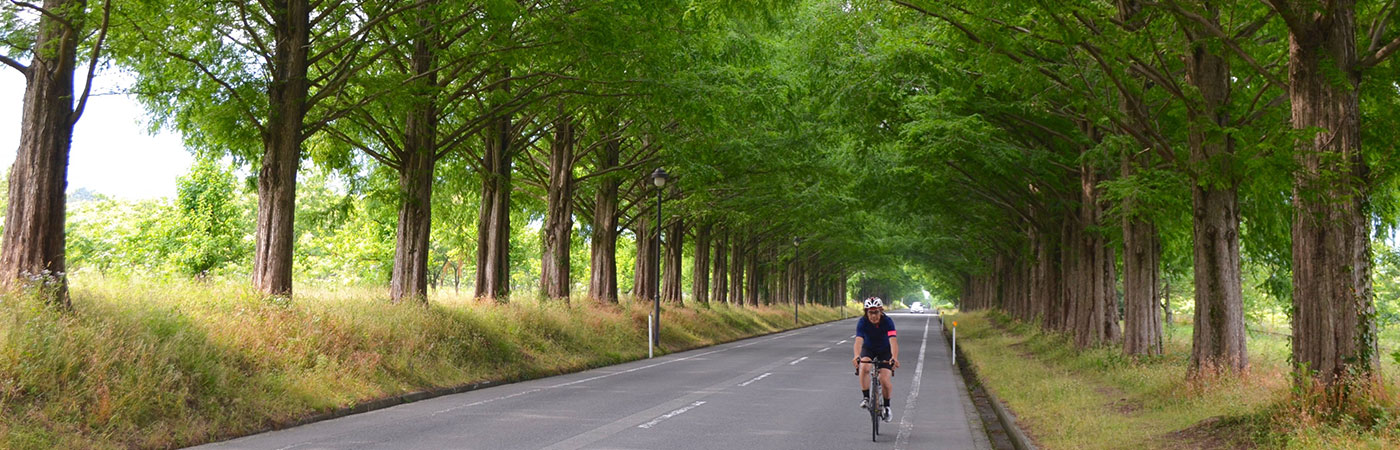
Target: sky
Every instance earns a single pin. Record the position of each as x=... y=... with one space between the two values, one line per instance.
x=112 y=152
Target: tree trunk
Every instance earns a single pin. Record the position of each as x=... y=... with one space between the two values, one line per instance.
x=1141 y=255
x=602 y=266
x=1080 y=319
x=840 y=292
x=671 y=290
x=1218 y=342
x=277 y=178
x=409 y=278
x=1166 y=303
x=1048 y=280
x=1334 y=331
x=1111 y=303
x=457 y=277
x=799 y=280
x=720 y=291
x=645 y=275
x=1094 y=303
x=700 y=274
x=736 y=271
x=755 y=278
x=559 y=220
x=32 y=246
x=1069 y=268
x=493 y=228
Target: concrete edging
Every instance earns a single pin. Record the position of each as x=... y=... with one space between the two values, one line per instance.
x=1006 y=417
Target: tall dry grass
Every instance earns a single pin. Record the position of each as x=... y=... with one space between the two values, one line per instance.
x=1099 y=398
x=158 y=364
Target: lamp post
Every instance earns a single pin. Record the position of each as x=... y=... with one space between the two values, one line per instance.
x=797 y=284
x=658 y=179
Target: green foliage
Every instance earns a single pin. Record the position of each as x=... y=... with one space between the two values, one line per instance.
x=456 y=203
x=121 y=237
x=212 y=229
x=1385 y=276
x=342 y=235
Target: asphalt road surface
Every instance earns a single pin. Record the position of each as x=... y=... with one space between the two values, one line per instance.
x=792 y=390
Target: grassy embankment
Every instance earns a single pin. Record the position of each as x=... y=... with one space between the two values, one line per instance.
x=172 y=364
x=1099 y=398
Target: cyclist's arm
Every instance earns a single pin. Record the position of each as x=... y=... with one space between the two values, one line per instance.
x=856 y=350
x=894 y=351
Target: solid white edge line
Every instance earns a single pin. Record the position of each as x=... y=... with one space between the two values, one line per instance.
x=905 y=425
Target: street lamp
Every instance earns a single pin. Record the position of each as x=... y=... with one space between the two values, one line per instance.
x=659 y=177
x=797 y=286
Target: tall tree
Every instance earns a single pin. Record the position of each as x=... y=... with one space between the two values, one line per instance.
x=1219 y=341
x=415 y=162
x=558 y=227
x=1334 y=330
x=32 y=245
x=493 y=228
x=602 y=284
x=277 y=72
x=1142 y=320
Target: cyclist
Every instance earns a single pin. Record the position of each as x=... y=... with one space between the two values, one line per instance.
x=875 y=338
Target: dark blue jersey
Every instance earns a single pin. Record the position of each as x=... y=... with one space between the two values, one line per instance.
x=877 y=336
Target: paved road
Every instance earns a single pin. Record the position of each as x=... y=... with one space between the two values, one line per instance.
x=793 y=390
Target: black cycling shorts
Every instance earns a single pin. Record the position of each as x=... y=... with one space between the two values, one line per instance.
x=866 y=352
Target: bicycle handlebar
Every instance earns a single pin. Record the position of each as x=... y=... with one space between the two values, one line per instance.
x=868 y=360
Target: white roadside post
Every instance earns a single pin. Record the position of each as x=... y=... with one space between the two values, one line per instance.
x=955 y=342
x=650 y=330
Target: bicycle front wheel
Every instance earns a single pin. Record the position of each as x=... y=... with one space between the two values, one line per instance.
x=875 y=398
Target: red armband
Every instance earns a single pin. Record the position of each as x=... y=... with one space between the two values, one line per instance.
x=891 y=334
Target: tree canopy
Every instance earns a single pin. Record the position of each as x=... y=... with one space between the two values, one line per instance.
x=1064 y=162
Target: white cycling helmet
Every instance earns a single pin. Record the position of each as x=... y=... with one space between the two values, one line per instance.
x=874 y=302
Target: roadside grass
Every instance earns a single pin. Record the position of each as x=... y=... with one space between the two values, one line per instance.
x=156 y=364
x=1099 y=398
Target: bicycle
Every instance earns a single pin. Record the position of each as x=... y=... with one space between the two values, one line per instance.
x=876 y=397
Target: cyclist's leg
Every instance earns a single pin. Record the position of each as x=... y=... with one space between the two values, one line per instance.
x=885 y=372
x=865 y=368
x=886 y=385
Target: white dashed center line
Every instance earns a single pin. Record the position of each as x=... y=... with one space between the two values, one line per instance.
x=670 y=415
x=760 y=377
